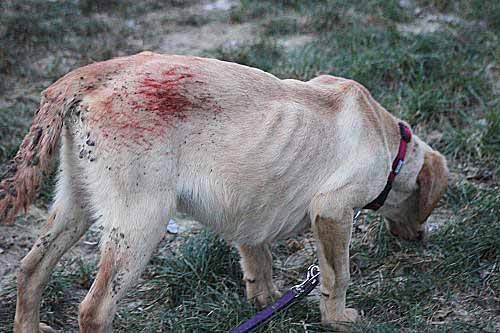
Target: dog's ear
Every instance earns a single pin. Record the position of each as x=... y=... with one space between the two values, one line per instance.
x=432 y=180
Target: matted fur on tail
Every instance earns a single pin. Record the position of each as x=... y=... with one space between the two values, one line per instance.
x=18 y=185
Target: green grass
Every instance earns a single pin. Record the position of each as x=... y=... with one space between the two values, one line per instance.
x=13 y=124
x=33 y=27
x=265 y=54
x=437 y=81
x=65 y=290
x=461 y=259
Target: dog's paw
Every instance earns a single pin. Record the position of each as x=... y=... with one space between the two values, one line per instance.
x=263 y=298
x=351 y=315
x=260 y=301
x=342 y=322
x=44 y=328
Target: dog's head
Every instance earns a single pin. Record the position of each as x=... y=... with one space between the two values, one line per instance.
x=412 y=201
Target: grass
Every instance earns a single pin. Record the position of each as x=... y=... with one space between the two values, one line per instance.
x=460 y=259
x=440 y=82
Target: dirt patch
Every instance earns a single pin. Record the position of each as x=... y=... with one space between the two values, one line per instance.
x=191 y=30
x=17 y=239
x=430 y=23
x=196 y=40
x=428 y=20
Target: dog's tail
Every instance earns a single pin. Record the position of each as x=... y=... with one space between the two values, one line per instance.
x=19 y=183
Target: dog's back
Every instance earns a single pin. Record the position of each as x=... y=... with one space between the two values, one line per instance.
x=239 y=149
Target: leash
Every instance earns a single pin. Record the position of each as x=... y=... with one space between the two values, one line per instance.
x=289 y=298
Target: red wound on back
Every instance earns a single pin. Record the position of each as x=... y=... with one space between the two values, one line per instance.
x=143 y=110
x=165 y=96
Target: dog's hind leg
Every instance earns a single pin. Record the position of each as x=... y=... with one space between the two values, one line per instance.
x=134 y=220
x=257 y=266
x=67 y=222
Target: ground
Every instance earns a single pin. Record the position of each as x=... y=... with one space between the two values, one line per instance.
x=433 y=63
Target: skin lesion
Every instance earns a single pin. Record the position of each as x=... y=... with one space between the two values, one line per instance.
x=165 y=96
x=146 y=105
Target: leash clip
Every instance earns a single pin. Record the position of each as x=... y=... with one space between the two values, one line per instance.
x=311 y=280
x=289 y=298
x=357 y=213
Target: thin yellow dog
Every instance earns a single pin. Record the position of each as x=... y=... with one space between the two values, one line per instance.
x=254 y=157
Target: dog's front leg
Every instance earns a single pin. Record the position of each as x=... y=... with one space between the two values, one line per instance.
x=257 y=266
x=333 y=233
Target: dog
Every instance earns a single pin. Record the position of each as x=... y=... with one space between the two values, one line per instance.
x=253 y=157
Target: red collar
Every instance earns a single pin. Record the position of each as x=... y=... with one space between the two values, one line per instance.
x=396 y=167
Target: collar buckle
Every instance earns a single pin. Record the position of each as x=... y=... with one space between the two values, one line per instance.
x=398 y=167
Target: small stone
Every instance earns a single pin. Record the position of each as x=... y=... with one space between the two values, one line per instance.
x=172 y=227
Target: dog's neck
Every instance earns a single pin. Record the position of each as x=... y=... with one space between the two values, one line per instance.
x=414 y=159
x=407 y=179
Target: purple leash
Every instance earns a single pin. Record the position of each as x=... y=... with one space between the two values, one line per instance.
x=291 y=296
